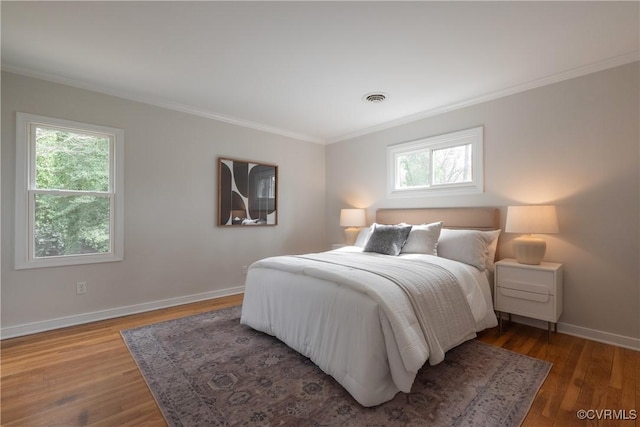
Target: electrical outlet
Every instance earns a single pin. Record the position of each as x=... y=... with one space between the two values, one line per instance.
x=244 y=269
x=81 y=288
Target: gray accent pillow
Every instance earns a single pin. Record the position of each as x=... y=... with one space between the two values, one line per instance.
x=387 y=239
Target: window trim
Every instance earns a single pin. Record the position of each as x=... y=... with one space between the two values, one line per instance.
x=26 y=191
x=474 y=136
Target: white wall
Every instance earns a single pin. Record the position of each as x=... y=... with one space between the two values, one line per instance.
x=174 y=252
x=574 y=144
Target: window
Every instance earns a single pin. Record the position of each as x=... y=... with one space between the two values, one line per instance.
x=69 y=192
x=444 y=164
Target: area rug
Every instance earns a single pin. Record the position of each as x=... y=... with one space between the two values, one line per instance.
x=208 y=370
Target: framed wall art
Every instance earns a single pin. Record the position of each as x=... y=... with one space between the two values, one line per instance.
x=247 y=193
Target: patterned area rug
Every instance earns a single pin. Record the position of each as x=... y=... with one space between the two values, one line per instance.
x=208 y=370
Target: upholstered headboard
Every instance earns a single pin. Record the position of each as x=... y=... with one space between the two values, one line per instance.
x=477 y=218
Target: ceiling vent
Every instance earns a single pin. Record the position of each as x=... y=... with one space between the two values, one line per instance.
x=375 y=97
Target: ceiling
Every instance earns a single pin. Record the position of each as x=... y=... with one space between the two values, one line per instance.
x=301 y=69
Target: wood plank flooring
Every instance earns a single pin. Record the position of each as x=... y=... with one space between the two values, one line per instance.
x=85 y=376
x=586 y=375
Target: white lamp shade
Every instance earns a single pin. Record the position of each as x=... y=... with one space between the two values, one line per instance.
x=532 y=220
x=352 y=218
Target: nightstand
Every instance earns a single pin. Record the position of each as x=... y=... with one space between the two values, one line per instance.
x=529 y=290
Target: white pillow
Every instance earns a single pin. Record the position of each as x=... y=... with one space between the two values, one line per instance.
x=468 y=246
x=493 y=247
x=363 y=236
x=423 y=239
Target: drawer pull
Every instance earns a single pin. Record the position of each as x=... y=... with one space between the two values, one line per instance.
x=530 y=296
x=525 y=287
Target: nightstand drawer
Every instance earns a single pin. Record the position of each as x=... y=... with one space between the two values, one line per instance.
x=529 y=280
x=530 y=304
x=530 y=296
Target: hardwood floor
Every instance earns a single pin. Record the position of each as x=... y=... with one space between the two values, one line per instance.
x=84 y=375
x=586 y=375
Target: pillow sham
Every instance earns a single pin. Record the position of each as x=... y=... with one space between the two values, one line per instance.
x=493 y=247
x=468 y=246
x=423 y=239
x=387 y=239
x=363 y=237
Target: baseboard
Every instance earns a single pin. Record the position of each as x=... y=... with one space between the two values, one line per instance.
x=579 y=331
x=63 y=322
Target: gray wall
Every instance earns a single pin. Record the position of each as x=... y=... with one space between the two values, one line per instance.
x=173 y=247
x=574 y=144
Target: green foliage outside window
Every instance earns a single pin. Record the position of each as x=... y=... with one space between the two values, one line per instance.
x=415 y=169
x=72 y=201
x=450 y=165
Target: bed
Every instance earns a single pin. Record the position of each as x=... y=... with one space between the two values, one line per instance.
x=371 y=320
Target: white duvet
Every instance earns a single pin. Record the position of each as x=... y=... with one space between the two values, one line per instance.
x=358 y=326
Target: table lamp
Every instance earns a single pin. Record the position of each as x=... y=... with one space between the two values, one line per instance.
x=352 y=218
x=530 y=220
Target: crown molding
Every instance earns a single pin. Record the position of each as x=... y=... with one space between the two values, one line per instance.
x=158 y=102
x=555 y=78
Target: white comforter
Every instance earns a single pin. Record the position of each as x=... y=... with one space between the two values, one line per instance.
x=359 y=326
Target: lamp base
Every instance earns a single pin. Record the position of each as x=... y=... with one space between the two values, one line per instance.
x=350 y=235
x=529 y=249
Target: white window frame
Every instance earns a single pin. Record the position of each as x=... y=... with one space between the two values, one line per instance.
x=472 y=136
x=26 y=191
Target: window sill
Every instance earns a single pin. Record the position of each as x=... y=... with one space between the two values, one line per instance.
x=66 y=261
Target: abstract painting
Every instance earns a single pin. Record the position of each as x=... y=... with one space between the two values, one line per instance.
x=247 y=193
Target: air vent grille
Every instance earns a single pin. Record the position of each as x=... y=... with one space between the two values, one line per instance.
x=375 y=97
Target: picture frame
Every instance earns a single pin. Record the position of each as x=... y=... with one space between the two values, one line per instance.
x=247 y=193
